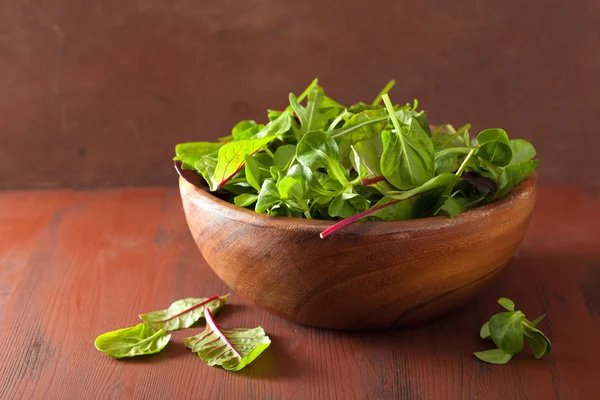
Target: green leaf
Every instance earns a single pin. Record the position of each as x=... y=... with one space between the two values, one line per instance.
x=310 y=117
x=232 y=156
x=522 y=151
x=506 y=303
x=385 y=90
x=492 y=135
x=368 y=124
x=318 y=150
x=267 y=197
x=538 y=320
x=252 y=172
x=231 y=349
x=245 y=199
x=277 y=127
x=407 y=160
x=399 y=211
x=134 y=341
x=446 y=136
x=347 y=204
x=283 y=155
x=313 y=185
x=506 y=332
x=437 y=183
x=183 y=313
x=512 y=175
x=536 y=339
x=495 y=356
x=190 y=153
x=484 y=332
x=495 y=152
x=245 y=130
x=452 y=207
x=206 y=166
x=292 y=191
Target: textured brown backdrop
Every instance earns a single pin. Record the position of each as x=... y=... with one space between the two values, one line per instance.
x=97 y=93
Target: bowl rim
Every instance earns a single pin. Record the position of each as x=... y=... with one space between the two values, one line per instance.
x=520 y=194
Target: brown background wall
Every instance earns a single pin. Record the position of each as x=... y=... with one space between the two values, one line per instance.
x=97 y=93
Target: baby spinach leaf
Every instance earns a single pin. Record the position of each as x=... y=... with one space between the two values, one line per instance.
x=398 y=211
x=368 y=125
x=232 y=156
x=318 y=150
x=267 y=197
x=495 y=152
x=492 y=135
x=245 y=199
x=183 y=313
x=512 y=175
x=407 y=160
x=252 y=172
x=506 y=303
x=522 y=151
x=134 y=341
x=231 y=349
x=495 y=356
x=506 y=332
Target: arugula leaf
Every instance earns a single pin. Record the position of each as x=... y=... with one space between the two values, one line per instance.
x=133 y=341
x=232 y=157
x=407 y=160
x=183 y=313
x=310 y=117
x=230 y=349
x=495 y=356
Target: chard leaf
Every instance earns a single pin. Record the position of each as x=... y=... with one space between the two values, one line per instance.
x=495 y=356
x=245 y=199
x=134 y=341
x=232 y=156
x=190 y=153
x=230 y=349
x=407 y=160
x=183 y=313
x=506 y=332
x=206 y=167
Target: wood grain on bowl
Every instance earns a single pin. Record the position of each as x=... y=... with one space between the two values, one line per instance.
x=368 y=275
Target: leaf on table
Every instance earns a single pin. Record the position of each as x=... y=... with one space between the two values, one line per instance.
x=484 y=332
x=133 y=341
x=507 y=303
x=231 y=349
x=506 y=331
x=495 y=356
x=183 y=313
x=536 y=339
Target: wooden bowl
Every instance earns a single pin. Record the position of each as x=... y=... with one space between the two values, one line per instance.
x=367 y=275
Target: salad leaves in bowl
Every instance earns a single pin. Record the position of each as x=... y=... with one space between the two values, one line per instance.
x=358 y=217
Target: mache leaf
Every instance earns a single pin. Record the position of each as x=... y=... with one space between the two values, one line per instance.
x=231 y=349
x=506 y=332
x=133 y=341
x=183 y=313
x=495 y=356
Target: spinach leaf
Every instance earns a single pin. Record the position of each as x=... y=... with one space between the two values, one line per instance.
x=267 y=197
x=183 y=313
x=398 y=211
x=495 y=356
x=231 y=349
x=318 y=150
x=492 y=135
x=522 y=151
x=407 y=160
x=245 y=199
x=134 y=341
x=368 y=125
x=495 y=152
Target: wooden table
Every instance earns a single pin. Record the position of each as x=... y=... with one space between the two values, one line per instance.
x=74 y=264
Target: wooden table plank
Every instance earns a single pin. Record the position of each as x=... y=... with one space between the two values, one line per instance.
x=76 y=264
